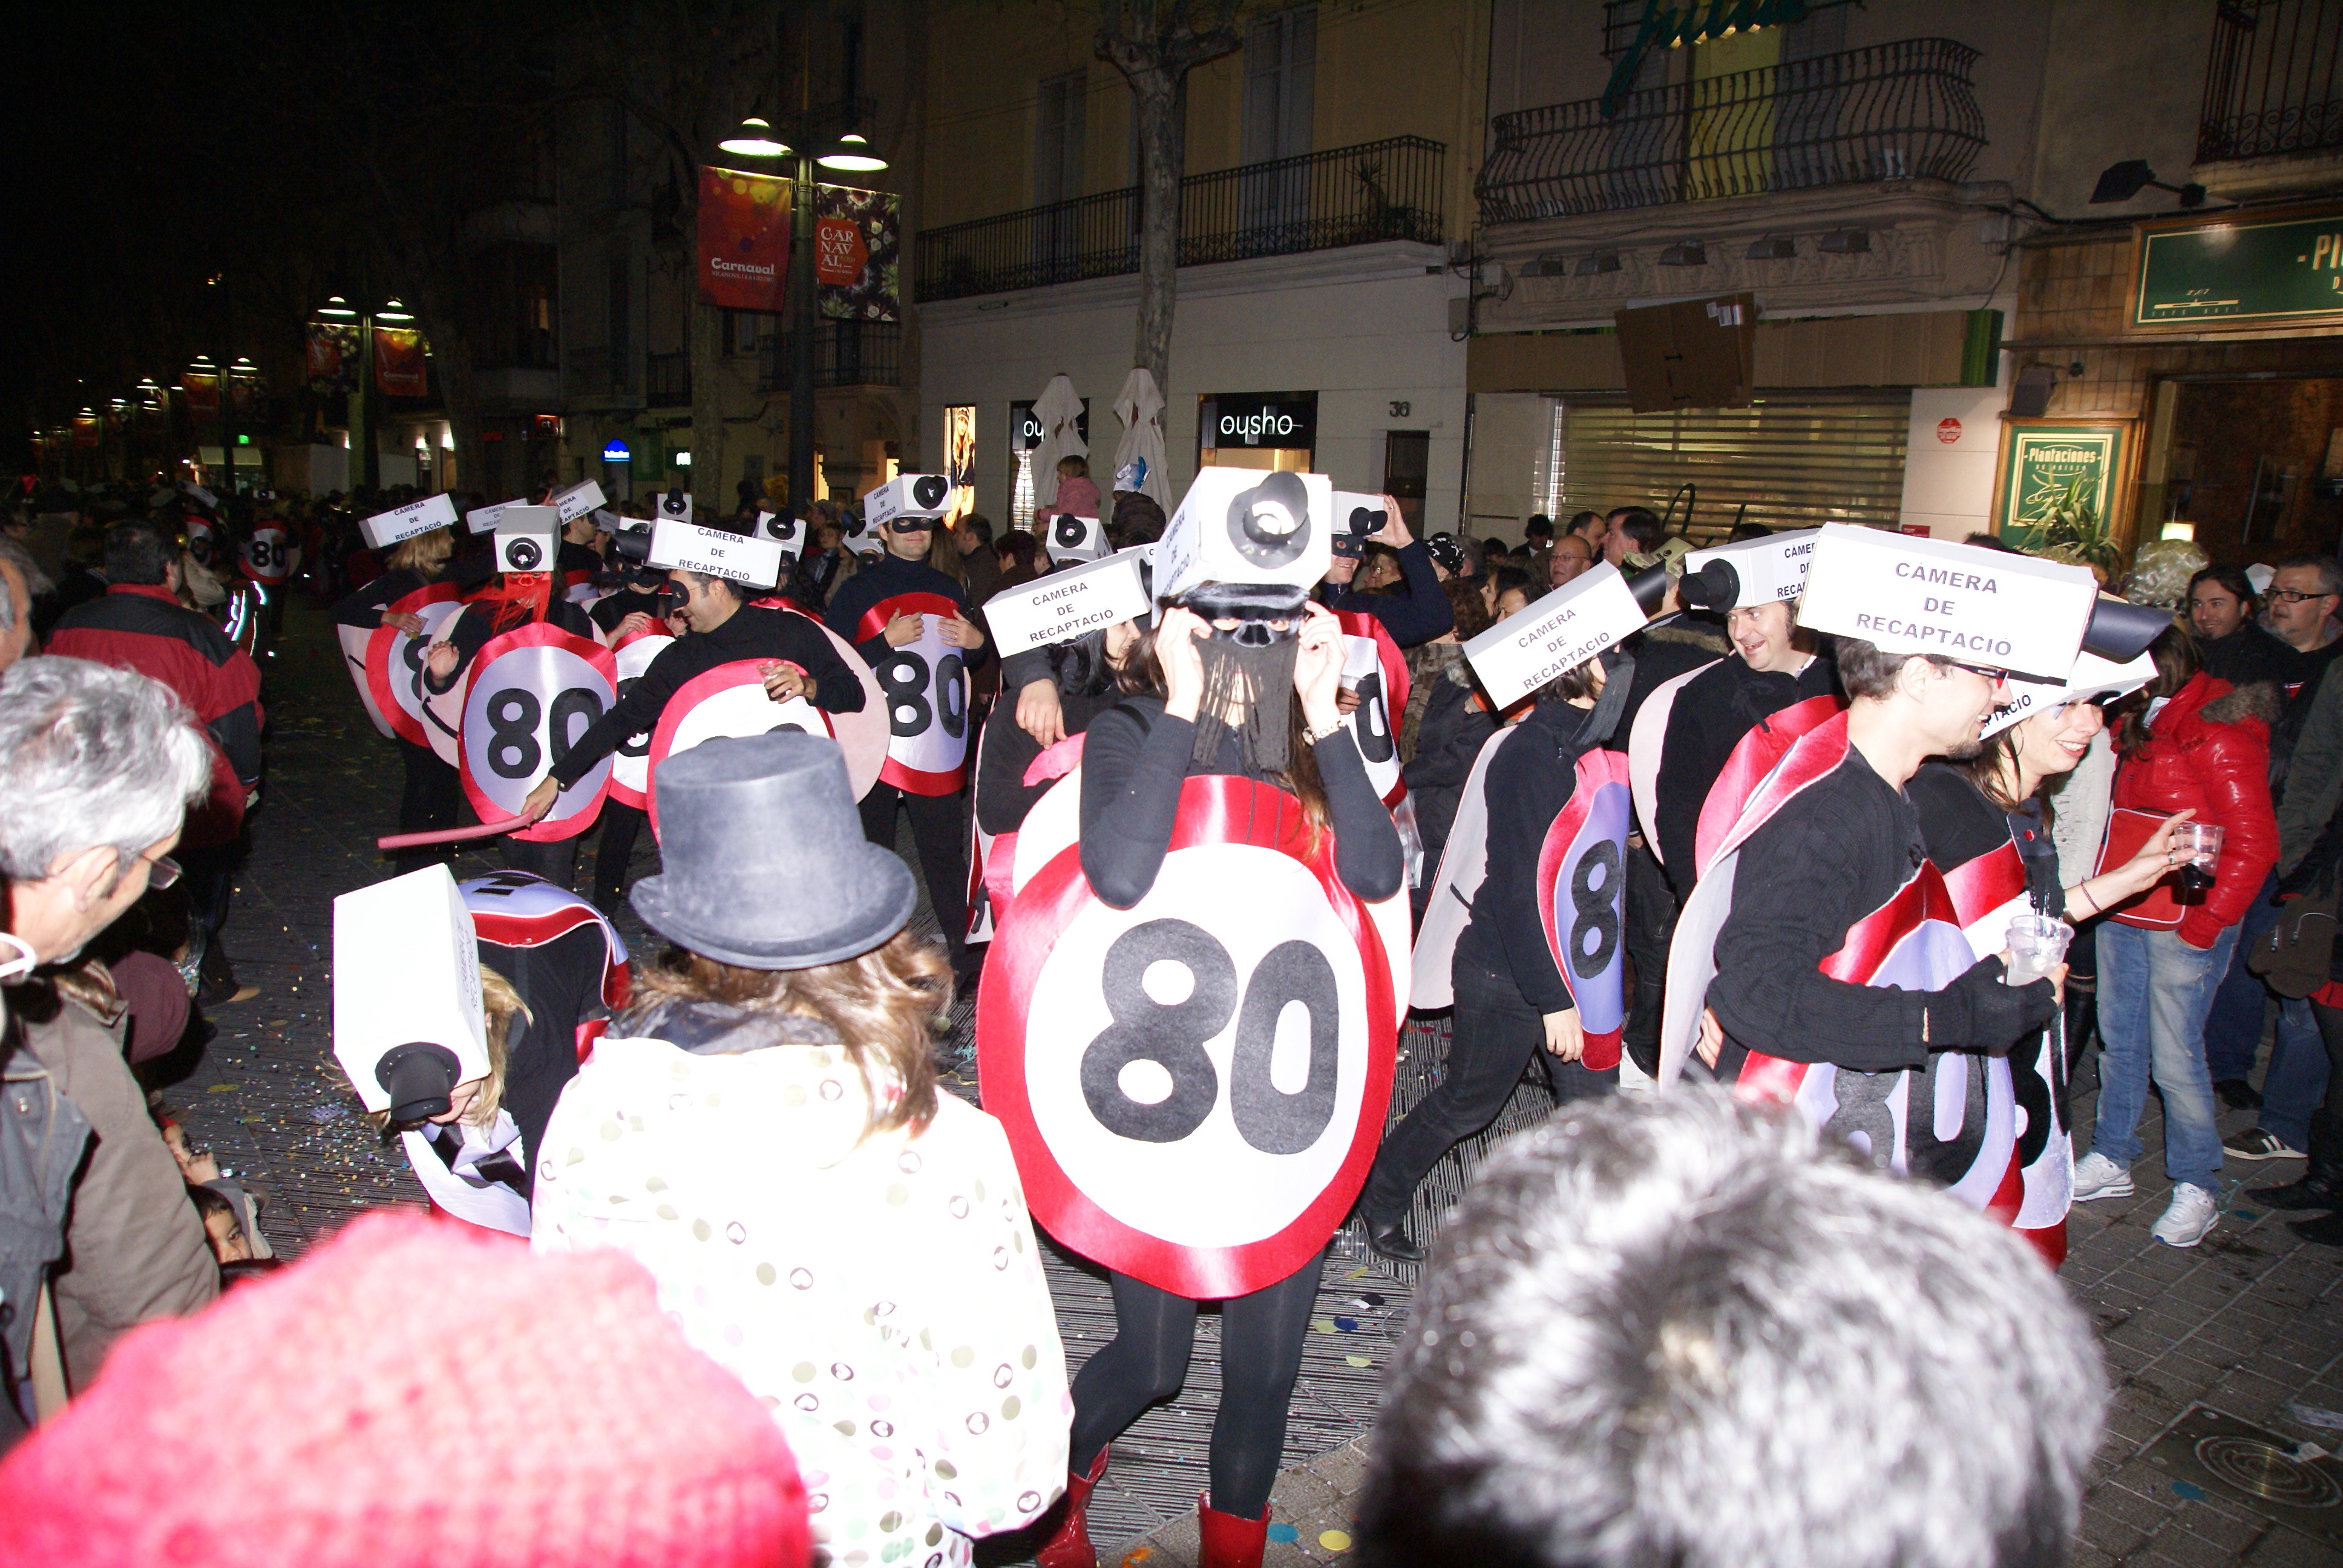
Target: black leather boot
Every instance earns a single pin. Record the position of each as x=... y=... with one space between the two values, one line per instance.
x=2321 y=1185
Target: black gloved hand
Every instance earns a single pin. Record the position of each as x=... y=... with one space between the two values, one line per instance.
x=1978 y=1012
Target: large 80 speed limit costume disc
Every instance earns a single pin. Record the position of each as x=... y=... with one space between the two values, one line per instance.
x=387 y=663
x=1581 y=891
x=534 y=690
x=926 y=686
x=731 y=700
x=1195 y=1087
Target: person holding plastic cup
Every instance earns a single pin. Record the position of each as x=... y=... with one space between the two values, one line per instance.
x=2203 y=750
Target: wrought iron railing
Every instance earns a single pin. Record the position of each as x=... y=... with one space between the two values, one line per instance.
x=845 y=354
x=2270 y=85
x=1894 y=111
x=1317 y=201
x=667 y=379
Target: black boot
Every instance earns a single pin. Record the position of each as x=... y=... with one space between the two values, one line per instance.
x=1389 y=1239
x=2326 y=1231
x=2321 y=1186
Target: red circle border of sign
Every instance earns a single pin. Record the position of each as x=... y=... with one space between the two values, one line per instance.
x=1023 y=939
x=378 y=671
x=873 y=624
x=539 y=634
x=724 y=676
x=1552 y=851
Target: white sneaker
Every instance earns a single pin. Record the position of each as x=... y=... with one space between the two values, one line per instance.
x=2195 y=1210
x=2096 y=1176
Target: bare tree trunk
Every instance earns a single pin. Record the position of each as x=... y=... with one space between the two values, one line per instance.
x=1162 y=158
x=459 y=393
x=707 y=411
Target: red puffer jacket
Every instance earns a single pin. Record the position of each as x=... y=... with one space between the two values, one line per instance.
x=2209 y=749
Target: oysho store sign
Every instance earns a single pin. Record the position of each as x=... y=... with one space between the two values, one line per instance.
x=1260 y=420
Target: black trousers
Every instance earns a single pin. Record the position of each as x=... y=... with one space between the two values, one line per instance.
x=1495 y=1036
x=430 y=802
x=1651 y=927
x=1147 y=1361
x=940 y=832
x=621 y=825
x=556 y=860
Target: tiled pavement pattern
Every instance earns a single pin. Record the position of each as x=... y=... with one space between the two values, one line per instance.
x=2250 y=1322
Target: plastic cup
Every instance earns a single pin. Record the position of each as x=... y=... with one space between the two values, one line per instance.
x=2199 y=848
x=2038 y=944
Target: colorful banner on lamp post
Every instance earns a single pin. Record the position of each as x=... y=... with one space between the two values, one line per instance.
x=201 y=388
x=744 y=240
x=857 y=246
x=333 y=358
x=84 y=431
x=398 y=366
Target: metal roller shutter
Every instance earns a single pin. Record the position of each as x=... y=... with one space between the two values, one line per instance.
x=1797 y=461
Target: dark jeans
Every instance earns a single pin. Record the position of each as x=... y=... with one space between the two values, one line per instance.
x=431 y=802
x=940 y=832
x=2330 y=1034
x=621 y=825
x=1147 y=1362
x=1495 y=1036
x=1651 y=927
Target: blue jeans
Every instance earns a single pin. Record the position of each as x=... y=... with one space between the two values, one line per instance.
x=2233 y=1034
x=2155 y=990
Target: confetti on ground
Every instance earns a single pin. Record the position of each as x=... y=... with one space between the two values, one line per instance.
x=1283 y=1532
x=220 y=1089
x=1335 y=1539
x=1357 y=1362
x=1322 y=1325
x=2189 y=1490
x=1348 y=1325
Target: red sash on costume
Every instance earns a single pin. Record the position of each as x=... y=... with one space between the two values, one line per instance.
x=1752 y=759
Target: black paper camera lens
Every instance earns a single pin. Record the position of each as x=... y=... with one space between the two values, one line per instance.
x=523 y=556
x=928 y=490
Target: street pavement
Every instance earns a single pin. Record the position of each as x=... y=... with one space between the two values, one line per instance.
x=2249 y=1324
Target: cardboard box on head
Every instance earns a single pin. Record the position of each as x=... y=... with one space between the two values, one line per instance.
x=783 y=530
x=483 y=519
x=1064 y=605
x=1753 y=572
x=906 y=496
x=1070 y=536
x=673 y=506
x=1244 y=525
x=1557 y=634
x=751 y=558
x=407 y=1026
x=577 y=500
x=1992 y=609
x=384 y=529
x=1358 y=516
x=529 y=538
x=2093 y=680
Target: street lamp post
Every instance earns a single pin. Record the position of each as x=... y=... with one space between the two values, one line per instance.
x=365 y=462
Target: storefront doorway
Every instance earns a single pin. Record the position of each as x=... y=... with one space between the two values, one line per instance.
x=2254 y=467
x=1257 y=430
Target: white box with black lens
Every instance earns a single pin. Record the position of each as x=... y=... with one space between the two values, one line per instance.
x=672 y=506
x=784 y=530
x=748 y=558
x=1359 y=516
x=907 y=496
x=1245 y=526
x=1070 y=536
x=387 y=529
x=1761 y=571
x=527 y=538
x=406 y=986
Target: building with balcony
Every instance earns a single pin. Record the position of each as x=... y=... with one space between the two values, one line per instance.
x=1330 y=163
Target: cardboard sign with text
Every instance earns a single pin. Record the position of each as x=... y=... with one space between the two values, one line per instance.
x=1064 y=605
x=483 y=519
x=387 y=529
x=1767 y=569
x=577 y=500
x=2095 y=679
x=1987 y=607
x=407 y=970
x=678 y=546
x=1558 y=633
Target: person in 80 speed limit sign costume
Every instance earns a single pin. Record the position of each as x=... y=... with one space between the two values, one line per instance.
x=1189 y=1022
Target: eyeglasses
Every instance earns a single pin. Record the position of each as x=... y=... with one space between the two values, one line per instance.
x=161 y=871
x=1995 y=676
x=2295 y=596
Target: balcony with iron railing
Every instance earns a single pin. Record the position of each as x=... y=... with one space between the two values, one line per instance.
x=1895 y=110
x=2270 y=84
x=1382 y=190
x=846 y=353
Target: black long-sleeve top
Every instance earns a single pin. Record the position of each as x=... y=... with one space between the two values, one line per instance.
x=1528 y=784
x=1713 y=712
x=2247 y=655
x=366 y=607
x=1004 y=751
x=1961 y=823
x=1135 y=759
x=1417 y=613
x=748 y=633
x=474 y=629
x=883 y=578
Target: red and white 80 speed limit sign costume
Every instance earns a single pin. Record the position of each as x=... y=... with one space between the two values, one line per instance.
x=1581 y=887
x=926 y=686
x=387 y=663
x=534 y=691
x=1195 y=1087
x=267 y=554
x=630 y=764
x=727 y=701
x=1374 y=668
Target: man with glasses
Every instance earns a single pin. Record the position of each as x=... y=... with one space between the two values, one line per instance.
x=101 y=765
x=2303 y=598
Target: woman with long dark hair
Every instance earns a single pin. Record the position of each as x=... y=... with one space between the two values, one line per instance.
x=433 y=797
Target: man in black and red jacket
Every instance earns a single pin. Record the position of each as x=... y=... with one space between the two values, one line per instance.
x=139 y=624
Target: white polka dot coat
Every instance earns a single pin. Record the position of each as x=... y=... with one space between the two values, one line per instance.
x=883 y=1296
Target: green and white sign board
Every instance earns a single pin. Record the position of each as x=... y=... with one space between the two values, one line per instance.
x=2041 y=463
x=2242 y=273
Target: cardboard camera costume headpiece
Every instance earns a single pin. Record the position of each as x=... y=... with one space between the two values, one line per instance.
x=1994 y=609
x=387 y=529
x=2093 y=679
x=408 y=1025
x=1578 y=621
x=483 y=519
x=1241 y=527
x=906 y=496
x=1358 y=518
x=1070 y=536
x=1065 y=605
x=575 y=500
x=674 y=505
x=681 y=545
x=782 y=530
x=529 y=538
x=1753 y=572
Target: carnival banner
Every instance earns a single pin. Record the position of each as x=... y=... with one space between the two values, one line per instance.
x=333 y=358
x=857 y=249
x=201 y=389
x=744 y=240
x=399 y=363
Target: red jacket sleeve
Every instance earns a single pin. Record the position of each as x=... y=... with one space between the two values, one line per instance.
x=2233 y=769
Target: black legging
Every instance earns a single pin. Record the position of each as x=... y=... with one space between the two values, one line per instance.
x=621 y=825
x=1147 y=1361
x=2330 y=1033
x=940 y=833
x=431 y=802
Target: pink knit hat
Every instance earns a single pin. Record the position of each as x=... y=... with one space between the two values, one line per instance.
x=412 y=1393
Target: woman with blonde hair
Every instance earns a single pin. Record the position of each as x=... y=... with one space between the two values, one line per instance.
x=761 y=1129
x=470 y=1158
x=433 y=796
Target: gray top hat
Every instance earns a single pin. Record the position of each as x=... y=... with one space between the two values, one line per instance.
x=764 y=861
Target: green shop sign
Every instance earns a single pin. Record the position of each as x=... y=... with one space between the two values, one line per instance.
x=2050 y=470
x=2241 y=273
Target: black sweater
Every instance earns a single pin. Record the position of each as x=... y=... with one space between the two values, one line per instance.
x=1528 y=784
x=1713 y=712
x=366 y=607
x=748 y=633
x=1003 y=752
x=474 y=629
x=2247 y=655
x=1134 y=763
x=883 y=578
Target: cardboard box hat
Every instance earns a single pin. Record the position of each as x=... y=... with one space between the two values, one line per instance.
x=1066 y=605
x=1576 y=622
x=784 y=530
x=1358 y=518
x=387 y=529
x=529 y=538
x=1753 y=572
x=1992 y=609
x=679 y=545
x=2093 y=680
x=1070 y=536
x=1244 y=525
x=906 y=496
x=407 y=1026
x=483 y=519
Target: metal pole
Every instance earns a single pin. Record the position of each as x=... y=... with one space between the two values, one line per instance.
x=365 y=467
x=802 y=317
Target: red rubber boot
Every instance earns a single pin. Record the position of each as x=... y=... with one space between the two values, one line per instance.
x=1229 y=1542
x=1068 y=1545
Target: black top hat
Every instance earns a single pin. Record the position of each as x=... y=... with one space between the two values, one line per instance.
x=764 y=861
